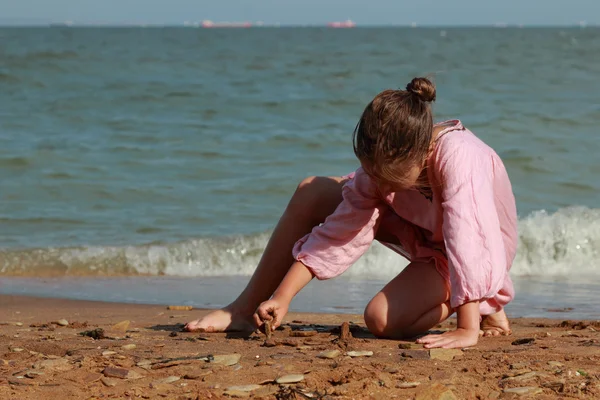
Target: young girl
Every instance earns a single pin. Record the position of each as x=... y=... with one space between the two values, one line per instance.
x=435 y=194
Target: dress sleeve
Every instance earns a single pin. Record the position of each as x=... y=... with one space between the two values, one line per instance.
x=471 y=227
x=331 y=248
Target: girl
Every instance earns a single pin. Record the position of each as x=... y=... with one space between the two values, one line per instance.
x=435 y=194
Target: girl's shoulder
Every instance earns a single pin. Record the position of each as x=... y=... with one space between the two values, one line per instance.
x=460 y=151
x=457 y=140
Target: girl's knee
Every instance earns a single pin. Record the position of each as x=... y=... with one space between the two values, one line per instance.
x=376 y=317
x=316 y=197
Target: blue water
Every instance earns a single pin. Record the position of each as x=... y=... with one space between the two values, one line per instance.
x=174 y=151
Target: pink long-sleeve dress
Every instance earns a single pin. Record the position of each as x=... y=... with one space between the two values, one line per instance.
x=466 y=224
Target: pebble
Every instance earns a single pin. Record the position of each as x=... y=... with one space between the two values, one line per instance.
x=329 y=354
x=121 y=373
x=519 y=342
x=519 y=365
x=436 y=391
x=108 y=382
x=303 y=333
x=91 y=377
x=16 y=349
x=180 y=308
x=169 y=379
x=359 y=353
x=33 y=374
x=523 y=377
x=108 y=353
x=408 y=346
x=524 y=390
x=407 y=385
x=555 y=364
x=59 y=364
x=444 y=354
x=293 y=378
x=227 y=359
x=129 y=347
x=195 y=376
x=243 y=388
x=121 y=326
x=416 y=354
x=62 y=322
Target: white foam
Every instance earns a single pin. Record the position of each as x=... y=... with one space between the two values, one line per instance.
x=563 y=244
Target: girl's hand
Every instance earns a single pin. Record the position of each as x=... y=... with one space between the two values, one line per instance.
x=450 y=340
x=271 y=310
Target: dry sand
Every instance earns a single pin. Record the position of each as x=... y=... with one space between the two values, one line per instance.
x=144 y=355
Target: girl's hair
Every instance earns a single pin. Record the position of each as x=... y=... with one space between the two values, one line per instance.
x=395 y=128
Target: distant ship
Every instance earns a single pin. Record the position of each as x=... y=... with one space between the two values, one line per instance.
x=343 y=24
x=211 y=24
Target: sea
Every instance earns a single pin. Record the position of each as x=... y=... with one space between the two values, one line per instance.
x=149 y=165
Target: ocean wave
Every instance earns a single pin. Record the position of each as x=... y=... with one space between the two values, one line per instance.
x=565 y=244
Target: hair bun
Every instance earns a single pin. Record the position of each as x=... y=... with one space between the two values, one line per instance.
x=422 y=88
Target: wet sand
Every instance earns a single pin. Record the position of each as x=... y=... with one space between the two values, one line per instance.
x=139 y=351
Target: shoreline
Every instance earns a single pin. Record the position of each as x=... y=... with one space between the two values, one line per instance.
x=146 y=356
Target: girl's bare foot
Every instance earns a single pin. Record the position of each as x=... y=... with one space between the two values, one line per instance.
x=223 y=320
x=495 y=325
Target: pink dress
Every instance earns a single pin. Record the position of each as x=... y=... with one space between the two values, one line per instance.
x=467 y=225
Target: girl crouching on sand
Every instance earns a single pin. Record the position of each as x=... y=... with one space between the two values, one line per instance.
x=434 y=193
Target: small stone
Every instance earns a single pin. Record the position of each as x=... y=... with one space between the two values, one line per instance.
x=33 y=374
x=494 y=395
x=108 y=353
x=180 y=308
x=227 y=359
x=243 y=388
x=523 y=377
x=407 y=385
x=108 y=382
x=523 y=341
x=197 y=375
x=121 y=326
x=293 y=378
x=518 y=365
x=359 y=353
x=129 y=346
x=557 y=386
x=444 y=354
x=121 y=373
x=92 y=377
x=416 y=354
x=329 y=354
x=524 y=390
x=59 y=364
x=16 y=349
x=271 y=343
x=555 y=364
x=409 y=346
x=167 y=380
x=436 y=392
x=345 y=332
x=303 y=333
x=62 y=322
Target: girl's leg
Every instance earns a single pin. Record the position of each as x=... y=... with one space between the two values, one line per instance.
x=412 y=303
x=314 y=200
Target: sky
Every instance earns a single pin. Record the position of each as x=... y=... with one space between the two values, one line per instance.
x=363 y=12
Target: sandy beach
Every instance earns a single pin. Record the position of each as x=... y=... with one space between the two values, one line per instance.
x=66 y=349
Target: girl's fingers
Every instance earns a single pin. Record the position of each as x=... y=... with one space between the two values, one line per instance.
x=430 y=339
x=257 y=320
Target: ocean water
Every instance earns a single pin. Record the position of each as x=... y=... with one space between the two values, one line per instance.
x=171 y=153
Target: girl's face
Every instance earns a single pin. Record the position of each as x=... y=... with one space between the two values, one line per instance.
x=398 y=177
